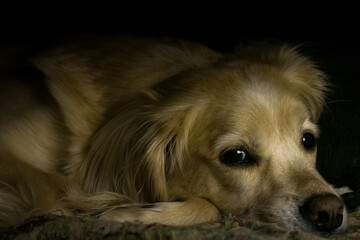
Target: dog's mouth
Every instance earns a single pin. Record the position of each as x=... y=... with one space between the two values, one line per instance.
x=319 y=227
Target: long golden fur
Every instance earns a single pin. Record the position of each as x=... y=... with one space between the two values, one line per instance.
x=130 y=129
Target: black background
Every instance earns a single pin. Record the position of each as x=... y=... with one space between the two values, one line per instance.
x=329 y=34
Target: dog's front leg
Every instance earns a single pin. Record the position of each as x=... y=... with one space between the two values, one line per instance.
x=189 y=212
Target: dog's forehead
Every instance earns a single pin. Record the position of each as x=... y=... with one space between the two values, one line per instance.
x=269 y=102
x=262 y=112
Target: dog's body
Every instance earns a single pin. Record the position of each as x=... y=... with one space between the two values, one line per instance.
x=165 y=131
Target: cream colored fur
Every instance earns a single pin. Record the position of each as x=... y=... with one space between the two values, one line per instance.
x=132 y=129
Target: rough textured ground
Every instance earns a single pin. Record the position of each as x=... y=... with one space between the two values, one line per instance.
x=234 y=227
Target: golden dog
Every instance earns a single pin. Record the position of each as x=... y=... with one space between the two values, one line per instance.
x=166 y=131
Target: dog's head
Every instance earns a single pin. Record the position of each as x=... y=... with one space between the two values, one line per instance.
x=241 y=133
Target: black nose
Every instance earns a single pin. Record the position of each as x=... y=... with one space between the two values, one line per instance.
x=324 y=211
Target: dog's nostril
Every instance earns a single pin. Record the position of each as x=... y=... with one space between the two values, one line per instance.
x=323 y=217
x=324 y=211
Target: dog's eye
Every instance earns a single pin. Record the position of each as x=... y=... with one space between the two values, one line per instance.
x=236 y=157
x=308 y=141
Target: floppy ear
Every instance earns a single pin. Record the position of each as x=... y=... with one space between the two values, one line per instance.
x=135 y=150
x=307 y=80
x=303 y=77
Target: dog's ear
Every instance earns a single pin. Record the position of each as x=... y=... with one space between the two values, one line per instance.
x=301 y=74
x=305 y=78
x=137 y=148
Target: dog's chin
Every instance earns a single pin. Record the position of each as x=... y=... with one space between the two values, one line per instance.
x=297 y=223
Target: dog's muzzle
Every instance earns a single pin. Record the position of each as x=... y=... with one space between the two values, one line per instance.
x=324 y=212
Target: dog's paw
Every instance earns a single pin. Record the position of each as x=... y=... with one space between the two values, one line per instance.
x=189 y=212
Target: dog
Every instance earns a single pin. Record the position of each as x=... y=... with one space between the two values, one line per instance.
x=168 y=131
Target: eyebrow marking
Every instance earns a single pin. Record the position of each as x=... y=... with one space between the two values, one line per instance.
x=310 y=126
